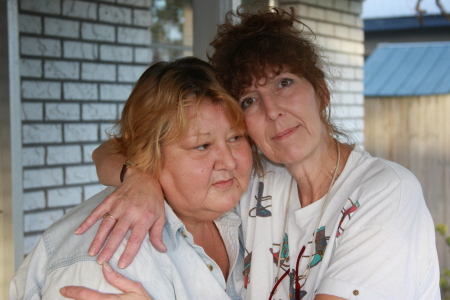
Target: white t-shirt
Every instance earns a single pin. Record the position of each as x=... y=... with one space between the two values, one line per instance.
x=375 y=240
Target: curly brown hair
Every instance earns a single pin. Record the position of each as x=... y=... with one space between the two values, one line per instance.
x=249 y=47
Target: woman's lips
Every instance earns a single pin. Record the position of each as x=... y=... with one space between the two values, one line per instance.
x=285 y=133
x=224 y=184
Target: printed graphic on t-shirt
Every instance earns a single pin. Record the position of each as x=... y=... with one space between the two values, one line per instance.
x=260 y=210
x=346 y=213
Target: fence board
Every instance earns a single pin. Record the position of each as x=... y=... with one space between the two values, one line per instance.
x=415 y=132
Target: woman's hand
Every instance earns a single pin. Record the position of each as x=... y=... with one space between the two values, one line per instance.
x=132 y=290
x=138 y=203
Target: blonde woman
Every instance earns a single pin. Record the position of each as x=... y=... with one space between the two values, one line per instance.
x=180 y=126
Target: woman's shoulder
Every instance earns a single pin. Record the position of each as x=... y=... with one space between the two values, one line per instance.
x=377 y=171
x=382 y=187
x=60 y=240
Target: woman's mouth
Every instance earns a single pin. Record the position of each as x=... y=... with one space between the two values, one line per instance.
x=224 y=184
x=285 y=133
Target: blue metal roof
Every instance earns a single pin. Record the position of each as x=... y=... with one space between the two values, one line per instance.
x=409 y=69
x=404 y=23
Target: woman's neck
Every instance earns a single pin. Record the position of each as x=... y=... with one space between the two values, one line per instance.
x=314 y=174
x=207 y=236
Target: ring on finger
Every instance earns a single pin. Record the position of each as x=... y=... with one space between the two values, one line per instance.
x=107 y=214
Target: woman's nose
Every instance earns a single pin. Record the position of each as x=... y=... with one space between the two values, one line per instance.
x=225 y=159
x=272 y=108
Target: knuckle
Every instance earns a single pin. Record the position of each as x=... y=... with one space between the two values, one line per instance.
x=118 y=232
x=106 y=224
x=135 y=239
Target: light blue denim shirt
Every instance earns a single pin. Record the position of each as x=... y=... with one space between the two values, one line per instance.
x=184 y=272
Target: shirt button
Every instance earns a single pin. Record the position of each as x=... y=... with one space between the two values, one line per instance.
x=356 y=292
x=210 y=267
x=183 y=233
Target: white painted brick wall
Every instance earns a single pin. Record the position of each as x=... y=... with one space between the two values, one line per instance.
x=81 y=174
x=33 y=156
x=332 y=16
x=62 y=111
x=348 y=111
x=41 y=90
x=33 y=200
x=130 y=73
x=30 y=24
x=116 y=53
x=63 y=28
x=87 y=152
x=98 y=72
x=80 y=91
x=142 y=17
x=41 y=220
x=41 y=133
x=91 y=190
x=80 y=132
x=143 y=55
x=79 y=9
x=80 y=50
x=30 y=68
x=98 y=32
x=46 y=177
x=133 y=36
x=114 y=14
x=57 y=155
x=64 y=196
x=142 y=3
x=120 y=109
x=101 y=111
x=32 y=111
x=70 y=55
x=106 y=129
x=115 y=92
x=61 y=69
x=43 y=6
x=40 y=46
x=29 y=242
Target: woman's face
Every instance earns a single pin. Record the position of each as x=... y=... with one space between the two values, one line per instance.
x=283 y=118
x=206 y=172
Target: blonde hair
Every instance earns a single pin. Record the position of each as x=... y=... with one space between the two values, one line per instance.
x=156 y=111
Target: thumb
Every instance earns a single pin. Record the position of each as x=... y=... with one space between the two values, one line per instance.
x=156 y=233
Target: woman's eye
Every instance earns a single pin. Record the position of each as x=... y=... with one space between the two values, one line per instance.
x=246 y=102
x=285 y=82
x=202 y=147
x=236 y=138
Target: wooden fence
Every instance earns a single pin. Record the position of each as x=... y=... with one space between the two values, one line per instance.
x=415 y=132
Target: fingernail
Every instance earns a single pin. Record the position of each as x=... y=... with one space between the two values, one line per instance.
x=78 y=230
x=107 y=267
x=121 y=264
x=101 y=260
x=91 y=252
x=62 y=290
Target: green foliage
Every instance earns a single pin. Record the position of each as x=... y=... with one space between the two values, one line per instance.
x=441 y=229
x=444 y=282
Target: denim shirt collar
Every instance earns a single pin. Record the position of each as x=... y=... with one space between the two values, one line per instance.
x=175 y=226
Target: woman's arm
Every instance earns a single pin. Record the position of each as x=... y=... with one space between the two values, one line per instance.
x=132 y=290
x=137 y=203
x=108 y=164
